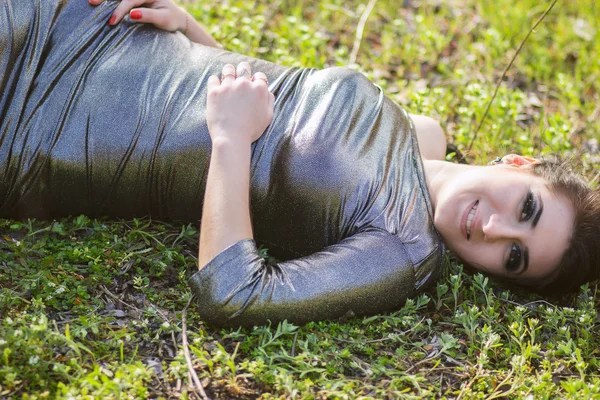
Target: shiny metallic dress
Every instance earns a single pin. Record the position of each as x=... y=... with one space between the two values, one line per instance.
x=109 y=121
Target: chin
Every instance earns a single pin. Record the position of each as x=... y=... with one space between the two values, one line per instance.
x=454 y=249
x=469 y=265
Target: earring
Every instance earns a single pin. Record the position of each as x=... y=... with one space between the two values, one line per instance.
x=498 y=160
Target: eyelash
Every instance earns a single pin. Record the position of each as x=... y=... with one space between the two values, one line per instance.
x=528 y=207
x=514 y=260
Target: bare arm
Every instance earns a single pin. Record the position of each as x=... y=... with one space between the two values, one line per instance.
x=239 y=108
x=226 y=212
x=196 y=32
x=163 y=14
x=431 y=137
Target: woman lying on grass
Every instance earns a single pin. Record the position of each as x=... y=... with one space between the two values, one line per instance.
x=124 y=120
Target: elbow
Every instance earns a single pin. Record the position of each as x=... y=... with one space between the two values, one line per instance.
x=213 y=301
x=226 y=299
x=226 y=285
x=221 y=310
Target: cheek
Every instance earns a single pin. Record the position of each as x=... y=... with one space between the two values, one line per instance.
x=486 y=257
x=445 y=217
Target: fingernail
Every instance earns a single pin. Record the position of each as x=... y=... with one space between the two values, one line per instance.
x=135 y=14
x=112 y=20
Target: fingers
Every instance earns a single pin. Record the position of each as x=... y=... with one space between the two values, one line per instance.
x=244 y=70
x=159 y=17
x=123 y=8
x=260 y=77
x=213 y=82
x=228 y=73
x=96 y=2
x=239 y=107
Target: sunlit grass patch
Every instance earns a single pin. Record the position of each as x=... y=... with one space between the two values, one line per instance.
x=92 y=308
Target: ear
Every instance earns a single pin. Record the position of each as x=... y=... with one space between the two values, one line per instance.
x=519 y=161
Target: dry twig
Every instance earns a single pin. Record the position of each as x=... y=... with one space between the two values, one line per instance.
x=506 y=70
x=105 y=290
x=360 y=29
x=468 y=385
x=395 y=336
x=159 y=312
x=186 y=352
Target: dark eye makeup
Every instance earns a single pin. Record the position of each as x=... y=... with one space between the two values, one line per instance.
x=528 y=207
x=515 y=257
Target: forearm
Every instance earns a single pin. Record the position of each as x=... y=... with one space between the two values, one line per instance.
x=226 y=212
x=238 y=111
x=363 y=274
x=197 y=33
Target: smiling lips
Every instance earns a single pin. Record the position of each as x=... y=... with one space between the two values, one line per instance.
x=469 y=219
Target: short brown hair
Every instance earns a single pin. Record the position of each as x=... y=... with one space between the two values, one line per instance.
x=581 y=261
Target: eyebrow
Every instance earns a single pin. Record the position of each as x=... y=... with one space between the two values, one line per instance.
x=539 y=213
x=533 y=225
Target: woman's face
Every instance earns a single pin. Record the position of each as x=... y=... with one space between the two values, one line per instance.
x=504 y=220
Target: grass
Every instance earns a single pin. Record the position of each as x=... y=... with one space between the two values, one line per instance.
x=92 y=308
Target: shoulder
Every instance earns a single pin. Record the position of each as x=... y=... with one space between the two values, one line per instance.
x=430 y=136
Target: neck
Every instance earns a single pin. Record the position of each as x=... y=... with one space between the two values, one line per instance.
x=439 y=174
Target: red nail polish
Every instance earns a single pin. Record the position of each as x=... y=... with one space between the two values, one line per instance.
x=112 y=20
x=135 y=14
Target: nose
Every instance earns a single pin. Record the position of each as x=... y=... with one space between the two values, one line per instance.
x=498 y=228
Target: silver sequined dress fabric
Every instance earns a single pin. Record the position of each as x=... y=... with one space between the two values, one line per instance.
x=109 y=121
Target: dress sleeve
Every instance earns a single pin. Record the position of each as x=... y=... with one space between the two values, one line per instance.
x=367 y=273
